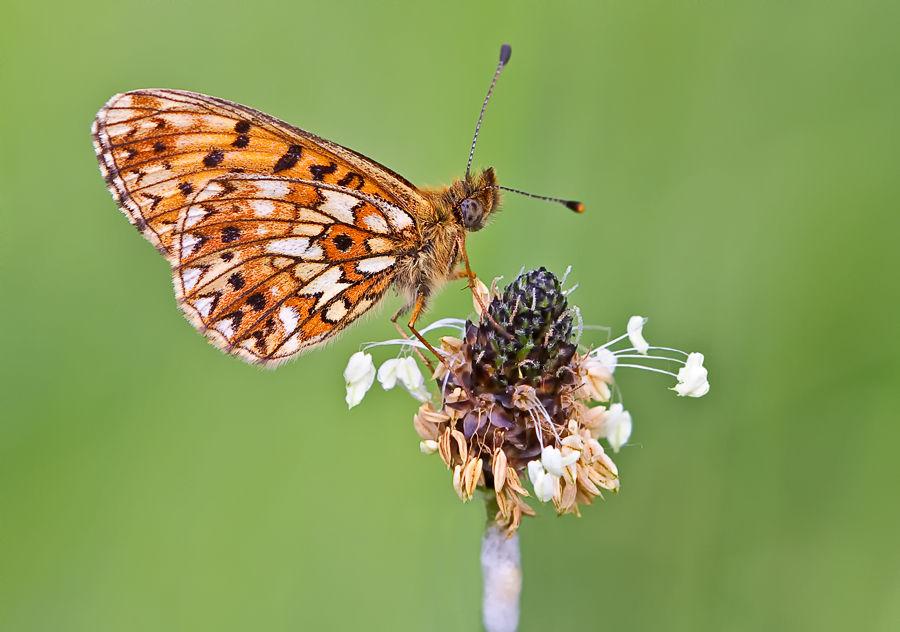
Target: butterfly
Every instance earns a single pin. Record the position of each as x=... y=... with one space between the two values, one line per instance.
x=279 y=239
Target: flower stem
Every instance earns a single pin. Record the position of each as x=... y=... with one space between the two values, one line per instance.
x=501 y=568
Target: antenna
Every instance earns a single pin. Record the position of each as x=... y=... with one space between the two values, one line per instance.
x=505 y=53
x=578 y=207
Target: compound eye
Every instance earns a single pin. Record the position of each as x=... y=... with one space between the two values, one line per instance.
x=472 y=212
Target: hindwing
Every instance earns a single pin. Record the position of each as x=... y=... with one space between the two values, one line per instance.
x=277 y=238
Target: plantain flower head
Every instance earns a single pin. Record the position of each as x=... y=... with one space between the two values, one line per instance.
x=516 y=395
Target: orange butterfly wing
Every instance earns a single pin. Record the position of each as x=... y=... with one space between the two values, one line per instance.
x=278 y=239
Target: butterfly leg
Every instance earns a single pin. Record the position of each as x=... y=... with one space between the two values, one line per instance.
x=417 y=309
x=394 y=320
x=468 y=274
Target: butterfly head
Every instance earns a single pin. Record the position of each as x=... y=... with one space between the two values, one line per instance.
x=476 y=197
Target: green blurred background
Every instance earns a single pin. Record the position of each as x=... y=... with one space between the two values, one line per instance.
x=739 y=164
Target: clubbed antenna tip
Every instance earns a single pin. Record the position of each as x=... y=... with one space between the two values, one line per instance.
x=578 y=207
x=505 y=54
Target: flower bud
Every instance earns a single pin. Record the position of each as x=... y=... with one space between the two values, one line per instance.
x=358 y=377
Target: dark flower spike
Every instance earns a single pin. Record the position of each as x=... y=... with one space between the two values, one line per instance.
x=515 y=394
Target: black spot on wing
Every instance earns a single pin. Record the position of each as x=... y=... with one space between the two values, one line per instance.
x=236 y=318
x=343 y=242
x=230 y=233
x=242 y=127
x=213 y=158
x=320 y=171
x=260 y=343
x=185 y=188
x=289 y=159
x=241 y=141
x=159 y=146
x=348 y=180
x=237 y=281
x=257 y=301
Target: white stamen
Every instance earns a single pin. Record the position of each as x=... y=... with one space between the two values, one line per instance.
x=453 y=323
x=647 y=368
x=647 y=357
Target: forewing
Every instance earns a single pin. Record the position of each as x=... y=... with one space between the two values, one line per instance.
x=157 y=148
x=267 y=267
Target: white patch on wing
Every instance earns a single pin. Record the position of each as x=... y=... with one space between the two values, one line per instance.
x=314 y=253
x=225 y=327
x=376 y=223
x=142 y=125
x=306 y=271
x=309 y=215
x=119 y=129
x=400 y=219
x=154 y=176
x=325 y=284
x=310 y=230
x=194 y=215
x=116 y=116
x=210 y=190
x=130 y=177
x=336 y=312
x=290 y=346
x=289 y=318
x=379 y=244
x=375 y=264
x=203 y=305
x=189 y=241
x=187 y=121
x=293 y=246
x=309 y=341
x=263 y=208
x=268 y=229
x=338 y=205
x=189 y=277
x=272 y=188
x=362 y=306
